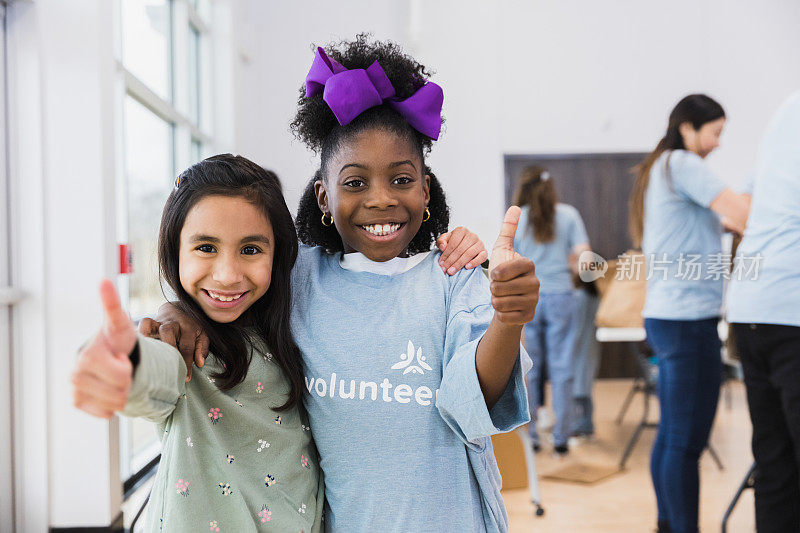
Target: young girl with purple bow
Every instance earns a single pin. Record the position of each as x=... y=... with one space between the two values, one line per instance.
x=408 y=371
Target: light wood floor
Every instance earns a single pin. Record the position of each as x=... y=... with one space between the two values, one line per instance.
x=625 y=502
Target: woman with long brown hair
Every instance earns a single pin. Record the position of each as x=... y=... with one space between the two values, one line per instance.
x=678 y=210
x=552 y=235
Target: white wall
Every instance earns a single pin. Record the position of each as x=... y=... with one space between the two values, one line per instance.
x=275 y=52
x=590 y=76
x=534 y=77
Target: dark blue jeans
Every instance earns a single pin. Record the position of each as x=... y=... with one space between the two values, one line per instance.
x=689 y=375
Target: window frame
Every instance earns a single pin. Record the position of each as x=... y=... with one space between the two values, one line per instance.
x=186 y=135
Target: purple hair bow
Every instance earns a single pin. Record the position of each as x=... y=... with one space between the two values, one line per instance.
x=351 y=92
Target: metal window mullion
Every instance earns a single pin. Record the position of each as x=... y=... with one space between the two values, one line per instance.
x=8 y=296
x=206 y=95
x=145 y=96
x=180 y=67
x=183 y=147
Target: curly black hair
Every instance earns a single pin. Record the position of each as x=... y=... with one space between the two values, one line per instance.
x=316 y=126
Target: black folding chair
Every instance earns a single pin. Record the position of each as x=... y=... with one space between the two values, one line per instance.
x=747 y=483
x=646 y=383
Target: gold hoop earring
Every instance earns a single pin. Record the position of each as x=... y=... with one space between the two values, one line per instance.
x=323 y=219
x=427 y=215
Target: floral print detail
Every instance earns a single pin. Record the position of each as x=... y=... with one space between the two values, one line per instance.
x=182 y=487
x=213 y=525
x=262 y=444
x=189 y=442
x=229 y=458
x=269 y=480
x=226 y=488
x=304 y=461
x=302 y=509
x=184 y=396
x=211 y=380
x=265 y=514
x=238 y=403
x=305 y=427
x=214 y=414
x=259 y=388
x=278 y=420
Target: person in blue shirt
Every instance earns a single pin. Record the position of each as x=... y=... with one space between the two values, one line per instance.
x=678 y=210
x=763 y=311
x=552 y=235
x=408 y=371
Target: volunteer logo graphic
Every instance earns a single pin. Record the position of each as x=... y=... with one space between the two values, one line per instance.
x=407 y=358
x=412 y=362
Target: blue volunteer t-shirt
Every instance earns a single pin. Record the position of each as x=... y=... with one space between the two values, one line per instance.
x=682 y=240
x=765 y=282
x=393 y=398
x=552 y=258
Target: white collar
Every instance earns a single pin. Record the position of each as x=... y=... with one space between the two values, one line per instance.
x=358 y=262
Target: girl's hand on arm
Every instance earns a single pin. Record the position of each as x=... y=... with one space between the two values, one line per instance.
x=149 y=328
x=168 y=333
x=460 y=248
x=104 y=372
x=515 y=293
x=180 y=331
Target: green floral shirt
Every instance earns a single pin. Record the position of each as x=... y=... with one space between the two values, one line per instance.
x=229 y=463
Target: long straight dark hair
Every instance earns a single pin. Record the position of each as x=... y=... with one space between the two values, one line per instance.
x=267 y=319
x=696 y=109
x=536 y=191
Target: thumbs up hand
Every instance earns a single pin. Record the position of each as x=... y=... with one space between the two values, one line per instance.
x=513 y=282
x=103 y=375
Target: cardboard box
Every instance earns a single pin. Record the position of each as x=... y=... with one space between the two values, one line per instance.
x=511 y=460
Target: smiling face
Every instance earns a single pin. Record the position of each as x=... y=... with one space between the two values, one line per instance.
x=704 y=140
x=376 y=192
x=226 y=251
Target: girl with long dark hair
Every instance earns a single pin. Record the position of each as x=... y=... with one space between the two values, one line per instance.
x=678 y=210
x=237 y=452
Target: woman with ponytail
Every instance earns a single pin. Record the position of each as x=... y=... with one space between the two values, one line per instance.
x=678 y=209
x=552 y=234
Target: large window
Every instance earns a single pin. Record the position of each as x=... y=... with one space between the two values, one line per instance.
x=166 y=126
